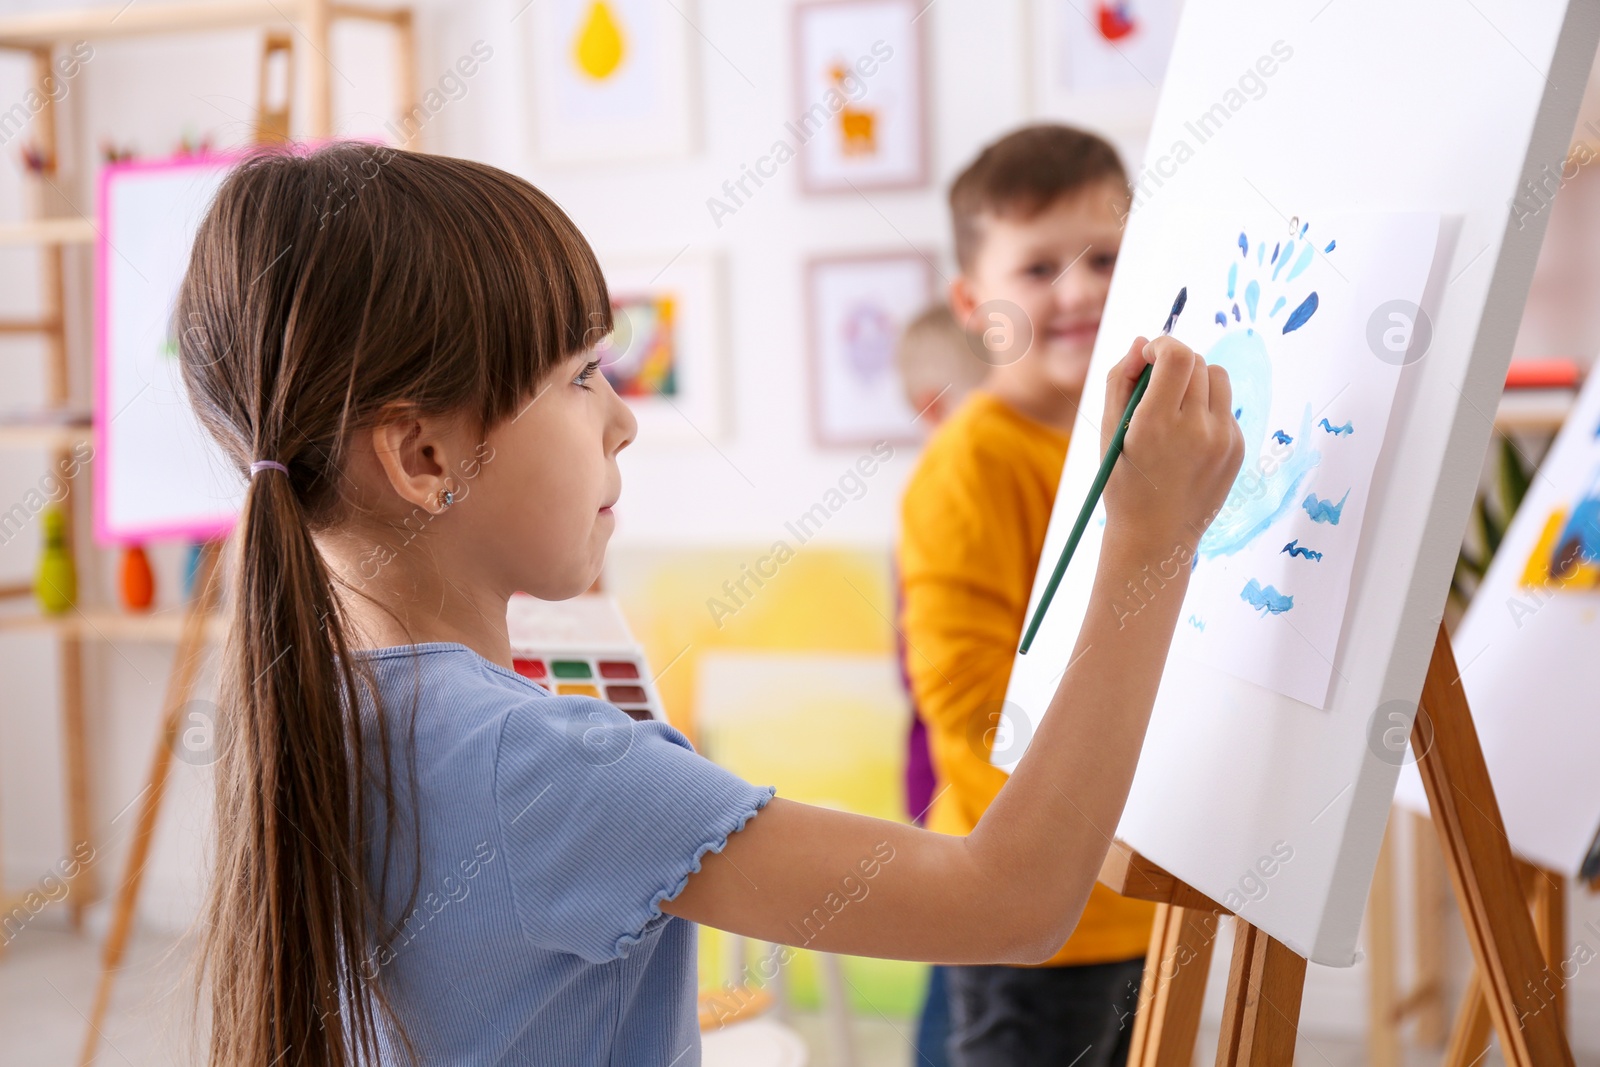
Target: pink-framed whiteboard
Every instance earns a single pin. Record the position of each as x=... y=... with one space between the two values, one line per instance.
x=160 y=475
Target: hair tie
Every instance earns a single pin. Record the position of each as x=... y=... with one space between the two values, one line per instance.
x=265 y=464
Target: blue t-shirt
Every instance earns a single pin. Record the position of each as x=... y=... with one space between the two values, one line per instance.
x=551 y=829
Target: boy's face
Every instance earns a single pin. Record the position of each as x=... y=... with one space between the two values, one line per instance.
x=1055 y=269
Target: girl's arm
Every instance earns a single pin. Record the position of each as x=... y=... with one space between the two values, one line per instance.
x=1012 y=890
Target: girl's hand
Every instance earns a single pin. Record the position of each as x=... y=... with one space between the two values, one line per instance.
x=1182 y=451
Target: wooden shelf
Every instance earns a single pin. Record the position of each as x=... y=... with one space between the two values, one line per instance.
x=21 y=435
x=47 y=231
x=1533 y=410
x=110 y=624
x=131 y=20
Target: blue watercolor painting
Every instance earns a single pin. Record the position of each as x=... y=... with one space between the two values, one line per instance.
x=1268 y=600
x=1197 y=622
x=1324 y=510
x=1269 y=483
x=1337 y=431
x=1295 y=548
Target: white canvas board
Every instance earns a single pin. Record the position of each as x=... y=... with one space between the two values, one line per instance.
x=1526 y=651
x=1436 y=115
x=161 y=475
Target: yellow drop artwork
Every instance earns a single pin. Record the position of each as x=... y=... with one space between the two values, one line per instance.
x=600 y=46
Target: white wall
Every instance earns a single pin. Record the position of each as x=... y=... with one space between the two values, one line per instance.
x=762 y=472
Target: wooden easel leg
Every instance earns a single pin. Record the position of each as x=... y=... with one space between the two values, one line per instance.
x=1174 y=987
x=1383 y=1021
x=1546 y=895
x=75 y=756
x=1478 y=856
x=1428 y=920
x=1469 y=1039
x=1547 y=900
x=180 y=684
x=1261 y=1014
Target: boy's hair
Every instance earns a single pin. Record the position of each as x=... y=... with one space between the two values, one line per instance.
x=325 y=291
x=1022 y=174
x=935 y=355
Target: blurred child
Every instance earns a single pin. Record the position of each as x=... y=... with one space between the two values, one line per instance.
x=1037 y=220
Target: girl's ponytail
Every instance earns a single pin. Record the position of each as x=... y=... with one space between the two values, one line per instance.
x=325 y=287
x=290 y=869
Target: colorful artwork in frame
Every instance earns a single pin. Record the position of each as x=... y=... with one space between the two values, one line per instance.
x=664 y=353
x=859 y=119
x=858 y=307
x=613 y=80
x=647 y=366
x=1111 y=44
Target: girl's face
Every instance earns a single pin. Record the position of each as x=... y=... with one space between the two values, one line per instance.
x=546 y=480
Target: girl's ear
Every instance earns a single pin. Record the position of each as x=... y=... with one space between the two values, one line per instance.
x=416 y=452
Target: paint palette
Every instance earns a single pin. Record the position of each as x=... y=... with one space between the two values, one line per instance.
x=582 y=647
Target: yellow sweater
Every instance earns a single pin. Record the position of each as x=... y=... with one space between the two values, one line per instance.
x=972 y=526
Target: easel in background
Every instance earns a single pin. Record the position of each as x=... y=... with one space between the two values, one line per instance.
x=1262 y=1009
x=1544 y=892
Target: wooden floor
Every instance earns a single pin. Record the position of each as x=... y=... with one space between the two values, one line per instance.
x=47 y=978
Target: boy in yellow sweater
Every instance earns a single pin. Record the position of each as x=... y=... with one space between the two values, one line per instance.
x=1038 y=222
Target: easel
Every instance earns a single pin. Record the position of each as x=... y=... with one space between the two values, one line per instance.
x=1265 y=982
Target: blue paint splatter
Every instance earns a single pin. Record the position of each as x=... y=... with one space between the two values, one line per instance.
x=1269 y=600
x=1237 y=412
x=1268 y=484
x=1261 y=250
x=1252 y=296
x=1295 y=548
x=1233 y=278
x=1277 y=306
x=1236 y=313
x=1300 y=264
x=1275 y=249
x=1197 y=623
x=1331 y=246
x=1324 y=510
x=1304 y=227
x=1282 y=438
x=1288 y=251
x=1244 y=244
x=1299 y=316
x=1338 y=431
x=1222 y=320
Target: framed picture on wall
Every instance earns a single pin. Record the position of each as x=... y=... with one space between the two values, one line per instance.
x=1100 y=64
x=613 y=80
x=859 y=113
x=857 y=308
x=664 y=352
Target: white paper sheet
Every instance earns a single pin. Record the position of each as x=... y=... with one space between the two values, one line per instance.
x=1312 y=317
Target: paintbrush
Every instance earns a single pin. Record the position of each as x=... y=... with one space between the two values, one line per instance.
x=1099 y=485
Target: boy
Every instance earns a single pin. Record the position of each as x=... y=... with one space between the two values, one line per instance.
x=1037 y=219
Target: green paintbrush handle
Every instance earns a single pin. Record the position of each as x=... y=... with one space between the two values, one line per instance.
x=1095 y=490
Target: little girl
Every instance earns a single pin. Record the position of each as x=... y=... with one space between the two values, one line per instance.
x=422 y=856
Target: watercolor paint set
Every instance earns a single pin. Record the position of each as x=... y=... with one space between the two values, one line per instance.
x=582 y=647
